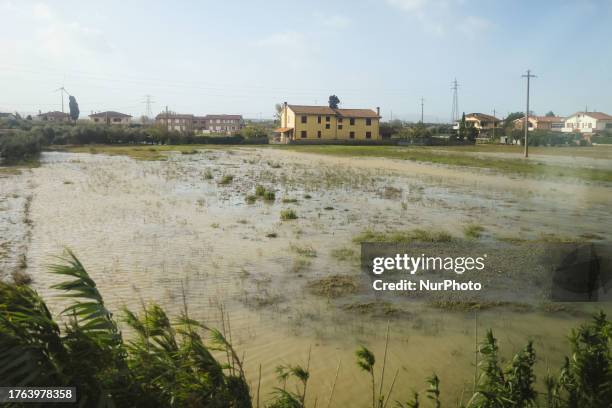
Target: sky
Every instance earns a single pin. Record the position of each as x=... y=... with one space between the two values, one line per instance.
x=243 y=57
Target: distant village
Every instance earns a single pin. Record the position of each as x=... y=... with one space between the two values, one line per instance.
x=328 y=123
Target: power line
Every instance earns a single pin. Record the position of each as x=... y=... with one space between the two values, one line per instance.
x=148 y=101
x=422 y=104
x=455 y=110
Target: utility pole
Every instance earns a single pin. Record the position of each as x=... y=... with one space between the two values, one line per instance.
x=422 y=103
x=529 y=75
x=167 y=118
x=455 y=111
x=494 y=123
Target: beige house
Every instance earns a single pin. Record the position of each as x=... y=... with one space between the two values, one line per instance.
x=481 y=121
x=53 y=116
x=111 y=118
x=303 y=122
x=552 y=123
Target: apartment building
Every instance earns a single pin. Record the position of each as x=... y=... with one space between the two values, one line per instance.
x=209 y=124
x=304 y=122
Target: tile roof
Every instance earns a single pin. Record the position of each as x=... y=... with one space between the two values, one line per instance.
x=171 y=115
x=109 y=114
x=235 y=117
x=595 y=115
x=482 y=116
x=326 y=110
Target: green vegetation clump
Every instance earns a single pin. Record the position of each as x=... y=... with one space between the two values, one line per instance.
x=289 y=200
x=251 y=198
x=399 y=237
x=208 y=175
x=473 y=230
x=334 y=286
x=304 y=250
x=288 y=214
x=343 y=254
x=260 y=190
x=226 y=179
x=18 y=146
x=269 y=195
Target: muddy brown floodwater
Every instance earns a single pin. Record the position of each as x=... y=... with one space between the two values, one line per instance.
x=149 y=231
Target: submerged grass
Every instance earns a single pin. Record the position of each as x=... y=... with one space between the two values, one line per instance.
x=399 y=237
x=473 y=231
x=456 y=156
x=288 y=214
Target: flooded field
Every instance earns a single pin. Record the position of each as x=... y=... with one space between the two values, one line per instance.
x=192 y=225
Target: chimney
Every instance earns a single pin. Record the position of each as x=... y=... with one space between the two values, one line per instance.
x=378 y=111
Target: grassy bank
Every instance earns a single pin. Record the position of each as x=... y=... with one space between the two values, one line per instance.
x=458 y=157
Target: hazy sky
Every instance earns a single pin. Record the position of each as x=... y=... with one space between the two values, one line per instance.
x=244 y=56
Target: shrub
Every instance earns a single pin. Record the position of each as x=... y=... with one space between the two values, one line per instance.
x=269 y=195
x=288 y=214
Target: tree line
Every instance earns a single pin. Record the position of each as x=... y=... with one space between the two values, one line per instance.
x=23 y=140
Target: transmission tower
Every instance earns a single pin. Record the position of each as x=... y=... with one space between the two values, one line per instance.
x=148 y=102
x=455 y=112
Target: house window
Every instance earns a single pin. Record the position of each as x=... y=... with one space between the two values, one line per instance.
x=368 y=122
x=352 y=121
x=303 y=135
x=340 y=127
x=327 y=118
x=352 y=135
x=327 y=126
x=368 y=135
x=340 y=120
x=304 y=118
x=319 y=119
x=319 y=134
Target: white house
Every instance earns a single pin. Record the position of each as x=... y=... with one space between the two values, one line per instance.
x=588 y=122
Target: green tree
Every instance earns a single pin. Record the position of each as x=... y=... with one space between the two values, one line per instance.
x=74 y=108
x=550 y=114
x=334 y=101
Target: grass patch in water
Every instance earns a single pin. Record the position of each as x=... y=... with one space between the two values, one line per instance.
x=334 y=286
x=226 y=179
x=288 y=214
x=305 y=250
x=473 y=231
x=398 y=237
x=289 y=200
x=344 y=254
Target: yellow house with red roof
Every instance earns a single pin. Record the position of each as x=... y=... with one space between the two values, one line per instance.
x=305 y=122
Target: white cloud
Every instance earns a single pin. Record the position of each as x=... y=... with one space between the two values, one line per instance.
x=474 y=25
x=440 y=17
x=285 y=38
x=338 y=22
x=42 y=11
x=410 y=5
